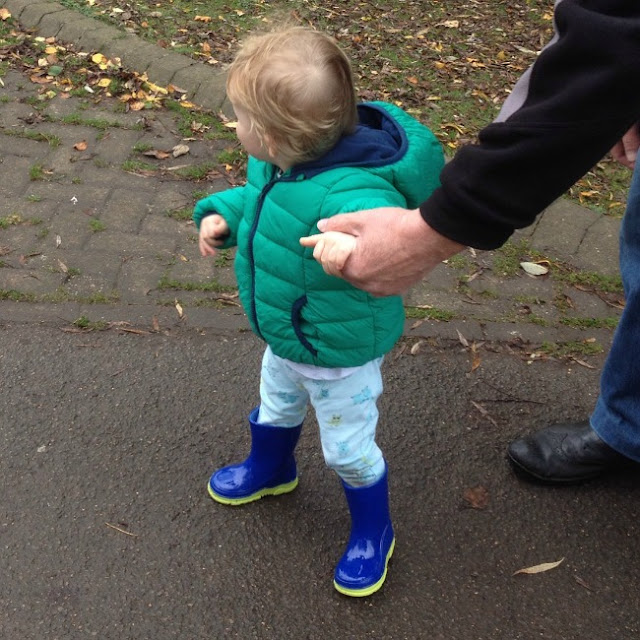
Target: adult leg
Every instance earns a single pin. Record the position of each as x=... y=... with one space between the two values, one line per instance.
x=611 y=438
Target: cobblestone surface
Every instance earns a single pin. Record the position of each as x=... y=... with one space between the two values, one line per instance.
x=78 y=228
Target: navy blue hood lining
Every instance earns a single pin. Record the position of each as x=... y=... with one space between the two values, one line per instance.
x=378 y=140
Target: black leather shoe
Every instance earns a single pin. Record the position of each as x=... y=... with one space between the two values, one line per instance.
x=564 y=453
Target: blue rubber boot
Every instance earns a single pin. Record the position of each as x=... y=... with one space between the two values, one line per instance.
x=363 y=567
x=269 y=470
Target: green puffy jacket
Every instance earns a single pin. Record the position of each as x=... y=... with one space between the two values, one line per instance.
x=304 y=314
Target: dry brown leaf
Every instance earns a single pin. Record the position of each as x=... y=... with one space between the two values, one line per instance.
x=477 y=497
x=475 y=357
x=80 y=146
x=5 y=14
x=179 y=309
x=539 y=568
x=156 y=153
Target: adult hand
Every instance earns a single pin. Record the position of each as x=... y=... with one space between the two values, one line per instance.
x=626 y=150
x=394 y=249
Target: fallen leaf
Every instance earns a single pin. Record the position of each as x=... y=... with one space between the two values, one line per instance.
x=156 y=153
x=463 y=340
x=534 y=268
x=484 y=412
x=416 y=347
x=179 y=309
x=477 y=497
x=582 y=583
x=5 y=14
x=203 y=18
x=180 y=150
x=80 y=146
x=539 y=568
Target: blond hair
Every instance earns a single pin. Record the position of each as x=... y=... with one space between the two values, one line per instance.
x=296 y=86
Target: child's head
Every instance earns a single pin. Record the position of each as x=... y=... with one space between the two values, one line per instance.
x=296 y=89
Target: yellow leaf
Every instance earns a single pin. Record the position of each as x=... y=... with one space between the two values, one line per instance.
x=179 y=309
x=98 y=58
x=203 y=18
x=5 y=14
x=539 y=568
x=50 y=50
x=104 y=82
x=156 y=88
x=187 y=105
x=138 y=105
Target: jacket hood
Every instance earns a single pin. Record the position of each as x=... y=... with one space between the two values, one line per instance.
x=378 y=140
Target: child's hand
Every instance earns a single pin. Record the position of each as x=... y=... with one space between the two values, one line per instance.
x=331 y=249
x=213 y=231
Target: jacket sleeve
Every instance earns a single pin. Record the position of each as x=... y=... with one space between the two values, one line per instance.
x=564 y=114
x=359 y=191
x=229 y=204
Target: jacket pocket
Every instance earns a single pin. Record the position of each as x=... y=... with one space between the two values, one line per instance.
x=296 y=322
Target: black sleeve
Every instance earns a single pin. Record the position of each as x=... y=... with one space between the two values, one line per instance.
x=577 y=100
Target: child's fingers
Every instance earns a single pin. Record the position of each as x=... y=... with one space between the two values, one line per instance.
x=311 y=241
x=205 y=248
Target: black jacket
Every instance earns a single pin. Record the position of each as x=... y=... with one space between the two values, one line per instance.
x=564 y=114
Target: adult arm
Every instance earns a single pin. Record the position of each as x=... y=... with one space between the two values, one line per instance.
x=565 y=113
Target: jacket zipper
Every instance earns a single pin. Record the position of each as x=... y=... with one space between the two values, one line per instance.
x=252 y=233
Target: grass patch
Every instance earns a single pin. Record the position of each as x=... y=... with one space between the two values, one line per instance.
x=182 y=215
x=571 y=349
x=587 y=279
x=96 y=123
x=29 y=134
x=37 y=172
x=212 y=286
x=141 y=147
x=196 y=172
x=422 y=313
x=507 y=259
x=590 y=323
x=83 y=322
x=137 y=166
x=97 y=225
x=17 y=296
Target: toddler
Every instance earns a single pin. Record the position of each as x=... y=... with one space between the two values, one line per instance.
x=313 y=153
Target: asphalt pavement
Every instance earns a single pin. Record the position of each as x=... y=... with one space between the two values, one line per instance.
x=127 y=372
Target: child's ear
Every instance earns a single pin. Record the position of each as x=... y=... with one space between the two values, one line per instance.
x=270 y=145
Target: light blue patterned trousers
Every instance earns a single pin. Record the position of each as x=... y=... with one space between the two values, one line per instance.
x=345 y=409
